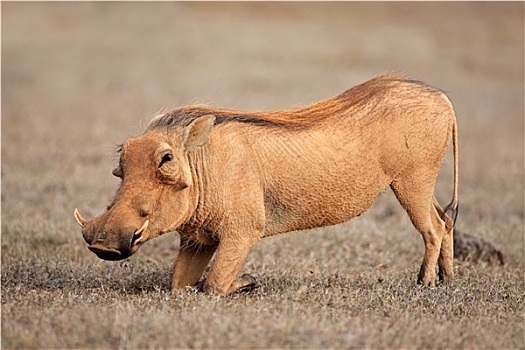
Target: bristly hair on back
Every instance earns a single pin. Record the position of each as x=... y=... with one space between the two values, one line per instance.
x=183 y=116
x=302 y=118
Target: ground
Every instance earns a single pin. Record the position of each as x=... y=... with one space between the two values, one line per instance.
x=79 y=78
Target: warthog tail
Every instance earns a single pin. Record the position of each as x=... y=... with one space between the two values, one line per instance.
x=453 y=206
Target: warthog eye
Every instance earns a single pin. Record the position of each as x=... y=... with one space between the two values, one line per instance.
x=165 y=158
x=169 y=170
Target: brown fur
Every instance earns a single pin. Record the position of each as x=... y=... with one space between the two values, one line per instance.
x=225 y=179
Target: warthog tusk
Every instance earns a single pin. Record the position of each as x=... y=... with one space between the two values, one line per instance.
x=138 y=233
x=81 y=221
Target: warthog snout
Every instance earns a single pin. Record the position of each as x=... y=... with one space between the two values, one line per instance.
x=104 y=252
x=111 y=243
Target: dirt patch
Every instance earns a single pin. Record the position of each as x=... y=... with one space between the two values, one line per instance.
x=473 y=247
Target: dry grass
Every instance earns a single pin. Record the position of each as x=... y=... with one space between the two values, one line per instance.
x=78 y=78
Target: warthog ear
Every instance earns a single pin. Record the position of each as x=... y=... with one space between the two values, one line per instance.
x=197 y=133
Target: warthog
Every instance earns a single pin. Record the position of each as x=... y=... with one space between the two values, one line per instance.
x=224 y=179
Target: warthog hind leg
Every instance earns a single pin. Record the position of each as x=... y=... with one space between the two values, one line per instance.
x=417 y=198
x=446 y=254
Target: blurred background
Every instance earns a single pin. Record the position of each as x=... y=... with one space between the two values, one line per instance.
x=80 y=77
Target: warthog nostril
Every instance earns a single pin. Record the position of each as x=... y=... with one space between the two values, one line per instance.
x=104 y=252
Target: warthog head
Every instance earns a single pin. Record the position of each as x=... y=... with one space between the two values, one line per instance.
x=156 y=194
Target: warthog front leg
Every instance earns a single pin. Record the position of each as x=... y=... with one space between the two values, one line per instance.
x=231 y=254
x=191 y=263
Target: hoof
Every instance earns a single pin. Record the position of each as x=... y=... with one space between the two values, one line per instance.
x=246 y=283
x=199 y=286
x=431 y=283
x=445 y=278
x=426 y=279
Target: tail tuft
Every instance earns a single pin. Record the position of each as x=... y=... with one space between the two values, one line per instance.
x=453 y=209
